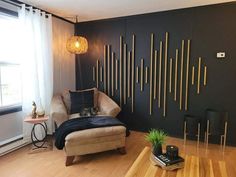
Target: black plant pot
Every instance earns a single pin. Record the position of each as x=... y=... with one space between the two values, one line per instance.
x=157 y=150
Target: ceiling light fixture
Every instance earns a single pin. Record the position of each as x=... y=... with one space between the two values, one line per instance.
x=77 y=44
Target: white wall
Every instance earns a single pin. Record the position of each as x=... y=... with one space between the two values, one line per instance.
x=64 y=62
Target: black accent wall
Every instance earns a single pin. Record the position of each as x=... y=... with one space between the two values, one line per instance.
x=211 y=29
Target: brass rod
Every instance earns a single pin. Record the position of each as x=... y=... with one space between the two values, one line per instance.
x=187 y=76
x=159 y=80
x=129 y=69
x=116 y=75
x=133 y=64
x=193 y=74
x=121 y=46
x=176 y=73
x=100 y=73
x=170 y=76
x=155 y=75
x=108 y=68
x=181 y=76
x=205 y=76
x=165 y=74
x=93 y=73
x=199 y=75
x=146 y=74
x=125 y=69
x=97 y=73
x=112 y=73
x=105 y=70
x=137 y=74
x=141 y=75
x=151 y=67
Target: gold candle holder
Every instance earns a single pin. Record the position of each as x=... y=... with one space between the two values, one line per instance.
x=141 y=75
x=125 y=69
x=199 y=75
x=160 y=76
x=155 y=75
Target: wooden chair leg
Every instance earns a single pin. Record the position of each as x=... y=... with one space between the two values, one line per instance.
x=122 y=150
x=69 y=160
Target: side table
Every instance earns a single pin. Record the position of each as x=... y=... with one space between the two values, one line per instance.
x=40 y=121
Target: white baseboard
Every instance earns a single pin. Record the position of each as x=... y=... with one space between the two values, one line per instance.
x=13 y=146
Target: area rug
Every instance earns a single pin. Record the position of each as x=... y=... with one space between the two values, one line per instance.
x=48 y=146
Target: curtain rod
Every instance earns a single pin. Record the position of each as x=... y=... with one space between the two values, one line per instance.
x=18 y=4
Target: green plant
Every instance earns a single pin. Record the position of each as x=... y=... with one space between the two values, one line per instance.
x=156 y=137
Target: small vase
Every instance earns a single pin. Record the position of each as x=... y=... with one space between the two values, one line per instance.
x=157 y=150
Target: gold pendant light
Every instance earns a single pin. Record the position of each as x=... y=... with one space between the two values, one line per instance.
x=77 y=44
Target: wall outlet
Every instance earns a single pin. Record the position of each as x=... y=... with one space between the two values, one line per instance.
x=220 y=55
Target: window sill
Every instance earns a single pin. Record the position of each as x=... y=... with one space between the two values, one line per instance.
x=11 y=109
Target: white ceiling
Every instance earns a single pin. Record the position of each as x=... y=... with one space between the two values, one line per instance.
x=88 y=10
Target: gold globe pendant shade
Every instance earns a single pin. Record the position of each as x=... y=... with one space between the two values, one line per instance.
x=77 y=45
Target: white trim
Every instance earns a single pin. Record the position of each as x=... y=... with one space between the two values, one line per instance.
x=13 y=146
x=10 y=140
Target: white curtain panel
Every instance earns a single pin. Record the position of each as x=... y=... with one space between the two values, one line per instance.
x=37 y=63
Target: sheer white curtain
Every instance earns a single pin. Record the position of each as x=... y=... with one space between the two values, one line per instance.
x=37 y=63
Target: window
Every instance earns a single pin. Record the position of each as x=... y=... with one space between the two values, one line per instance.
x=10 y=69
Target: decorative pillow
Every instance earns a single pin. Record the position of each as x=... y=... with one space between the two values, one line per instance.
x=81 y=100
x=67 y=100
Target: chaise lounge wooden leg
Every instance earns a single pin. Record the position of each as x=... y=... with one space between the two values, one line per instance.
x=69 y=160
x=122 y=150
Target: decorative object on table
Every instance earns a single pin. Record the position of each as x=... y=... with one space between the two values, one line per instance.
x=40 y=113
x=172 y=152
x=34 y=109
x=169 y=160
x=157 y=139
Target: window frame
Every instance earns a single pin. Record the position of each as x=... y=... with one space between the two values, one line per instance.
x=15 y=107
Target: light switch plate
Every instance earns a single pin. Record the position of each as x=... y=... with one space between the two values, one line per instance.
x=220 y=55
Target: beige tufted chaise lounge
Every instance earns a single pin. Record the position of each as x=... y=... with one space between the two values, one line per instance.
x=91 y=140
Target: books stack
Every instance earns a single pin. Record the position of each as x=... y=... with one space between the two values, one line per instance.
x=166 y=163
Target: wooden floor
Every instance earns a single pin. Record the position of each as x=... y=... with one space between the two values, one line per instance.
x=106 y=164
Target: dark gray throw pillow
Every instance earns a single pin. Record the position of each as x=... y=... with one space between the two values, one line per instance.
x=81 y=100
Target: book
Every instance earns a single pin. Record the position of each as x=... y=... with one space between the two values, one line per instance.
x=164 y=160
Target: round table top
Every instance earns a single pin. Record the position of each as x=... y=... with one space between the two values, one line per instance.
x=36 y=120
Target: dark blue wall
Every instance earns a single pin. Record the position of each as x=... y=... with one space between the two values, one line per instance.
x=210 y=28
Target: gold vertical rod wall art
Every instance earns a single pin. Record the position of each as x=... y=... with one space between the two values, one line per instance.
x=151 y=67
x=108 y=68
x=97 y=73
x=137 y=74
x=146 y=74
x=159 y=80
x=141 y=75
x=199 y=75
x=193 y=74
x=100 y=73
x=129 y=69
x=112 y=73
x=105 y=70
x=121 y=46
x=155 y=75
x=132 y=91
x=176 y=73
x=116 y=75
x=93 y=73
x=187 y=76
x=181 y=76
x=125 y=69
x=170 y=75
x=165 y=74
x=205 y=76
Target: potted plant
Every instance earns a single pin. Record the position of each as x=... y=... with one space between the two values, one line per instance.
x=156 y=138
